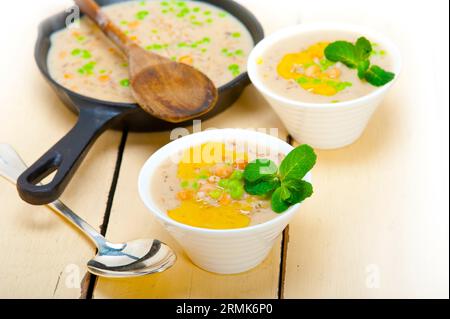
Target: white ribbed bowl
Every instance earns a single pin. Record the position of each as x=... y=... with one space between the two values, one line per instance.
x=327 y=125
x=219 y=251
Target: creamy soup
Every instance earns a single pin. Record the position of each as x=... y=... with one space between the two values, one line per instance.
x=297 y=68
x=209 y=193
x=204 y=36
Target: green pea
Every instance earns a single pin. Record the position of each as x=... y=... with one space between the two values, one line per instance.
x=215 y=194
x=81 y=38
x=236 y=34
x=85 y=54
x=125 y=83
x=184 y=184
x=343 y=85
x=195 y=185
x=204 y=174
x=224 y=183
x=237 y=193
x=237 y=175
x=142 y=14
x=302 y=80
x=87 y=68
x=234 y=184
x=76 y=52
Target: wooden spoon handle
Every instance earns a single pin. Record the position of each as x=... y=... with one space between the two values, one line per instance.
x=93 y=11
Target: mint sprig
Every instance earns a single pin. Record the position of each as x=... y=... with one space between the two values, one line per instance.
x=357 y=56
x=377 y=76
x=284 y=184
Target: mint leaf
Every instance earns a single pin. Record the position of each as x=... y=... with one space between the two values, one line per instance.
x=278 y=204
x=300 y=190
x=297 y=163
x=261 y=177
x=285 y=193
x=342 y=51
x=377 y=76
x=362 y=68
x=357 y=57
x=262 y=188
x=363 y=48
x=259 y=169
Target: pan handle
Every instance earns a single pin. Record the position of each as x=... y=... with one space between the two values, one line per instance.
x=65 y=156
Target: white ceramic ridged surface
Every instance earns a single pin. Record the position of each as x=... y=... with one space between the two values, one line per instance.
x=219 y=251
x=230 y=254
x=324 y=126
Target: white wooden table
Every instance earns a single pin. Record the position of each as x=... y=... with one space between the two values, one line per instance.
x=376 y=227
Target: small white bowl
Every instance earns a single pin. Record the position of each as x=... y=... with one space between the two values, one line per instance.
x=326 y=125
x=219 y=251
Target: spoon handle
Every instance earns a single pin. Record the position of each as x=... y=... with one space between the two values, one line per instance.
x=93 y=11
x=11 y=166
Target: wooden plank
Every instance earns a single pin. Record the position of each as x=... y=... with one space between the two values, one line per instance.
x=130 y=219
x=377 y=226
x=42 y=256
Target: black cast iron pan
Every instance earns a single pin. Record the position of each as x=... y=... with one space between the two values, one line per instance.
x=95 y=116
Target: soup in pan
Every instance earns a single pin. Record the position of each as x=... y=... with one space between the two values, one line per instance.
x=85 y=61
x=297 y=68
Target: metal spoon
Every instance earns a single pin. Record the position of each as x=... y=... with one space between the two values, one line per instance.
x=135 y=258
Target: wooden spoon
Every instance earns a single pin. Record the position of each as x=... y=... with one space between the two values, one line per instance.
x=174 y=92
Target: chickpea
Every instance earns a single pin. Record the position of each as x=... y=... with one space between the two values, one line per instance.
x=223 y=171
x=334 y=73
x=312 y=71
